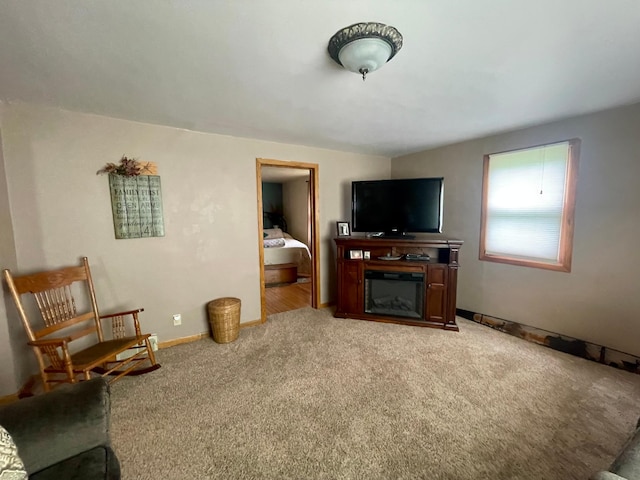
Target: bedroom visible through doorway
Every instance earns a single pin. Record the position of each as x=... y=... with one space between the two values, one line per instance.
x=288 y=245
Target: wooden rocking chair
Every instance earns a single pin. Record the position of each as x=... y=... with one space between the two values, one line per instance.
x=53 y=295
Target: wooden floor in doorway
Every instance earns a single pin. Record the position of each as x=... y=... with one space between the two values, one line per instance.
x=287 y=297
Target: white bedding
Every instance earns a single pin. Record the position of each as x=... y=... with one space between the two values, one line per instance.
x=293 y=251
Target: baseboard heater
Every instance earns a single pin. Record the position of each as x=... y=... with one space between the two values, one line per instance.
x=133 y=351
x=562 y=343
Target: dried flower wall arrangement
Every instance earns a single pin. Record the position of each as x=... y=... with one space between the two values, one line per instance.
x=128 y=167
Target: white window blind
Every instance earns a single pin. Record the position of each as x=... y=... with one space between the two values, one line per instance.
x=525 y=201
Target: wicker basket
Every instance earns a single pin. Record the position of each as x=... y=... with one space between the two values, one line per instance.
x=224 y=317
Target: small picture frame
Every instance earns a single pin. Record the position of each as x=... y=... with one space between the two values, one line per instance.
x=355 y=254
x=344 y=229
x=366 y=255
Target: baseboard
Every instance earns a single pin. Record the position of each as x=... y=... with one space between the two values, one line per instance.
x=27 y=390
x=200 y=336
x=8 y=398
x=562 y=343
x=253 y=323
x=181 y=340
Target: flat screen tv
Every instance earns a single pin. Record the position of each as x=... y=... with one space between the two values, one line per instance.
x=397 y=207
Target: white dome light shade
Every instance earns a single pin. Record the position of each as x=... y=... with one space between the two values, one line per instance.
x=364 y=47
x=364 y=55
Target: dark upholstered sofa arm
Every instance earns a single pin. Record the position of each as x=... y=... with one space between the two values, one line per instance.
x=606 y=476
x=55 y=426
x=626 y=466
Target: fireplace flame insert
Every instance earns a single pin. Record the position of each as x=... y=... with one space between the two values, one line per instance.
x=396 y=294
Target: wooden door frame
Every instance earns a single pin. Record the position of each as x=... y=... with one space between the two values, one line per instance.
x=315 y=224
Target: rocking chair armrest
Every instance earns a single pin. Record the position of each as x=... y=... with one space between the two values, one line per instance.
x=119 y=314
x=56 y=342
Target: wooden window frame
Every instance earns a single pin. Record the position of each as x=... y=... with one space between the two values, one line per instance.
x=568 y=213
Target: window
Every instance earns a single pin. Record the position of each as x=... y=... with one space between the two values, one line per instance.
x=528 y=200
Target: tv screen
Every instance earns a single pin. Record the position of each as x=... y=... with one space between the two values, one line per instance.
x=398 y=206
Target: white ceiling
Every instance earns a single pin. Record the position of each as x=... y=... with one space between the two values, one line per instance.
x=260 y=69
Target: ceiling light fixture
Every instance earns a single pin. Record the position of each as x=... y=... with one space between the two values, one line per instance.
x=365 y=47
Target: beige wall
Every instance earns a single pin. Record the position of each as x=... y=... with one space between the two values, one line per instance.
x=61 y=210
x=55 y=209
x=295 y=197
x=10 y=337
x=598 y=301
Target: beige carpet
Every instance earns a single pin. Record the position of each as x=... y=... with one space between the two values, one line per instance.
x=308 y=396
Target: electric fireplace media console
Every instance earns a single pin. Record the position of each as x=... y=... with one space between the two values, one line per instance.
x=412 y=282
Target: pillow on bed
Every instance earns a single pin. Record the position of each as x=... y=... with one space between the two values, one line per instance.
x=274 y=242
x=269 y=233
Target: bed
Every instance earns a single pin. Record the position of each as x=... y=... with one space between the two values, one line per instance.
x=281 y=248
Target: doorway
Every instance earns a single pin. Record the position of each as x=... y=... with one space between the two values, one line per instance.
x=270 y=174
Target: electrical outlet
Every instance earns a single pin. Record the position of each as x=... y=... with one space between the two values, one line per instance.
x=177 y=320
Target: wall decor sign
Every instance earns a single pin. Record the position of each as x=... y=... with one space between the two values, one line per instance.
x=136 y=203
x=136 y=198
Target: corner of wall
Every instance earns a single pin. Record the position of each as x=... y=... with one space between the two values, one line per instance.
x=11 y=376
